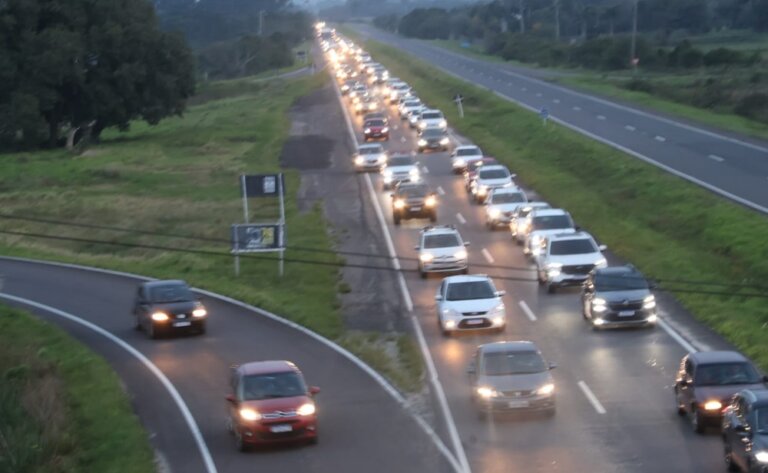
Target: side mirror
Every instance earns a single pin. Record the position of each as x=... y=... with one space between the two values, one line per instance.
x=466 y=243
x=552 y=366
x=513 y=176
x=231 y=399
x=654 y=285
x=500 y=293
x=313 y=390
x=471 y=368
x=577 y=228
x=416 y=247
x=438 y=297
x=602 y=247
x=765 y=379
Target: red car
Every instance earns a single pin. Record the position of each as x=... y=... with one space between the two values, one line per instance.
x=471 y=172
x=375 y=129
x=271 y=403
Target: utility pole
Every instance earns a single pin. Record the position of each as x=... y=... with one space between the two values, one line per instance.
x=261 y=22
x=557 y=19
x=521 y=16
x=633 y=52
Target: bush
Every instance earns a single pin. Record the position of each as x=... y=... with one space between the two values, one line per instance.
x=754 y=106
x=723 y=57
x=640 y=85
x=387 y=22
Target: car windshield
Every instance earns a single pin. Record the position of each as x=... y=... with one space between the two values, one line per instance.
x=721 y=374
x=273 y=385
x=467 y=152
x=170 y=293
x=507 y=198
x=513 y=362
x=620 y=282
x=493 y=174
x=412 y=104
x=572 y=247
x=431 y=115
x=401 y=161
x=551 y=222
x=371 y=150
x=471 y=290
x=432 y=133
x=441 y=241
x=414 y=191
x=374 y=123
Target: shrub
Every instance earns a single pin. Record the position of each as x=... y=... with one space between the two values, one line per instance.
x=754 y=106
x=723 y=57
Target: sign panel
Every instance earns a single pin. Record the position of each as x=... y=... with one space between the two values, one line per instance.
x=254 y=237
x=263 y=185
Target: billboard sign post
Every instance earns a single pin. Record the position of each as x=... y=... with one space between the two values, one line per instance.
x=260 y=237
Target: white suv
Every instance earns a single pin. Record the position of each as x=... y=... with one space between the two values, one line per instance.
x=501 y=204
x=400 y=168
x=441 y=249
x=463 y=155
x=490 y=177
x=470 y=303
x=567 y=259
x=431 y=119
x=545 y=222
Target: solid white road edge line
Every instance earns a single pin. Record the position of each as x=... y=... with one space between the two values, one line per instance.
x=487 y=255
x=459 y=459
x=461 y=218
x=185 y=412
x=527 y=311
x=440 y=190
x=659 y=138
x=716 y=158
x=629 y=128
x=592 y=398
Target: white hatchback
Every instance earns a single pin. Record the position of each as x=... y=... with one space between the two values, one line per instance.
x=470 y=303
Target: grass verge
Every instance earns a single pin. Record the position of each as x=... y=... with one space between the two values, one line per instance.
x=181 y=177
x=61 y=406
x=669 y=228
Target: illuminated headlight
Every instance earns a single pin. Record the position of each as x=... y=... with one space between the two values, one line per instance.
x=422 y=142
x=430 y=201
x=461 y=254
x=444 y=141
x=546 y=390
x=385 y=129
x=160 y=316
x=414 y=173
x=387 y=178
x=306 y=409
x=426 y=257
x=387 y=173
x=359 y=160
x=601 y=263
x=344 y=88
x=399 y=204
x=443 y=124
x=494 y=213
x=553 y=269
x=358 y=106
x=450 y=324
x=459 y=163
x=385 y=75
x=761 y=456
x=367 y=130
x=486 y=392
x=422 y=125
x=599 y=305
x=199 y=312
x=249 y=414
x=497 y=321
x=713 y=405
x=536 y=240
x=393 y=95
x=649 y=302
x=652 y=319
x=598 y=321
x=372 y=106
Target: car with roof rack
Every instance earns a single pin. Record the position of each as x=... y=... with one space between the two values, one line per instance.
x=567 y=259
x=441 y=249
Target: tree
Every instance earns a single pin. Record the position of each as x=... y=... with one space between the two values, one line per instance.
x=68 y=64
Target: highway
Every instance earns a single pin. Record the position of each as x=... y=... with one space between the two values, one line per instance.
x=730 y=165
x=362 y=427
x=616 y=411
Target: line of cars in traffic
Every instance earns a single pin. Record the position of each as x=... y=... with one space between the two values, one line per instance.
x=720 y=388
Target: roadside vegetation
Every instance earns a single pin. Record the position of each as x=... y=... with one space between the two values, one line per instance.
x=62 y=409
x=671 y=229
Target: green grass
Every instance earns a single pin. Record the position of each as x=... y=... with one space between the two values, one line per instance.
x=669 y=228
x=62 y=408
x=181 y=177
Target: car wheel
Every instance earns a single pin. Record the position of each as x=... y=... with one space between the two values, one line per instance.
x=201 y=329
x=396 y=218
x=153 y=332
x=551 y=411
x=551 y=288
x=680 y=404
x=313 y=441
x=422 y=273
x=730 y=465
x=696 y=420
x=433 y=217
x=137 y=323
x=240 y=445
x=540 y=277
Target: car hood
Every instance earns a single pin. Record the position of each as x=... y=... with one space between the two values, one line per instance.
x=469 y=158
x=476 y=305
x=265 y=406
x=569 y=260
x=445 y=251
x=175 y=307
x=552 y=231
x=629 y=295
x=516 y=382
x=399 y=169
x=508 y=207
x=494 y=182
x=722 y=393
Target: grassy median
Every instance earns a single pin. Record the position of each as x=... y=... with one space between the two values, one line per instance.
x=669 y=228
x=61 y=407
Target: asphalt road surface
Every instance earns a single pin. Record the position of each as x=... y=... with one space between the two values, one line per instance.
x=731 y=165
x=615 y=404
x=362 y=428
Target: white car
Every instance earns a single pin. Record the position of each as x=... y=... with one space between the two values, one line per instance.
x=567 y=258
x=501 y=204
x=489 y=178
x=470 y=303
x=431 y=119
x=398 y=90
x=463 y=155
x=441 y=249
x=358 y=90
x=400 y=168
x=546 y=222
x=521 y=220
x=370 y=157
x=413 y=105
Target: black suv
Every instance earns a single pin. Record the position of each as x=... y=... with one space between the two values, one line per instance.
x=162 y=307
x=413 y=199
x=618 y=296
x=745 y=432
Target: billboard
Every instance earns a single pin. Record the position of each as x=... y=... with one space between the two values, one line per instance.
x=255 y=237
x=263 y=185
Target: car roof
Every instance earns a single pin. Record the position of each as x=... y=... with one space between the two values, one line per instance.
x=431 y=110
x=507 y=346
x=266 y=367
x=545 y=212
x=493 y=167
x=439 y=229
x=370 y=145
x=711 y=357
x=508 y=190
x=403 y=155
x=166 y=282
x=467 y=278
x=466 y=147
x=569 y=236
x=617 y=271
x=408 y=184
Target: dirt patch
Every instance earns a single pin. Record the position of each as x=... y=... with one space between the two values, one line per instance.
x=307 y=152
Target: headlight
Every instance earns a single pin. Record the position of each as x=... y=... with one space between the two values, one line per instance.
x=482 y=190
x=461 y=254
x=249 y=414
x=426 y=257
x=601 y=263
x=450 y=324
x=385 y=129
x=443 y=123
x=546 y=390
x=430 y=201
x=160 y=316
x=713 y=405
x=444 y=141
x=536 y=240
x=486 y=392
x=367 y=130
x=598 y=321
x=359 y=160
x=497 y=321
x=387 y=173
x=422 y=142
x=499 y=308
x=599 y=304
x=422 y=125
x=393 y=95
x=358 y=106
x=652 y=319
x=414 y=172
x=649 y=302
x=306 y=409
x=494 y=213
x=399 y=204
x=459 y=162
x=762 y=456
x=372 y=106
x=199 y=312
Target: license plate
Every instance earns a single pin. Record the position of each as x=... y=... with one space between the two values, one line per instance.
x=281 y=428
x=517 y=404
x=475 y=322
x=626 y=313
x=415 y=209
x=182 y=324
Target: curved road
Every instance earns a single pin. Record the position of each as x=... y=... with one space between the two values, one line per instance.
x=362 y=427
x=733 y=166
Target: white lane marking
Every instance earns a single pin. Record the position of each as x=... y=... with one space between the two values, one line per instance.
x=425 y=170
x=527 y=311
x=601 y=117
x=592 y=398
x=459 y=458
x=577 y=109
x=556 y=100
x=524 y=89
x=396 y=127
x=716 y=158
x=488 y=256
x=538 y=94
x=402 y=139
x=659 y=138
x=177 y=399
x=440 y=190
x=629 y=128
x=461 y=218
